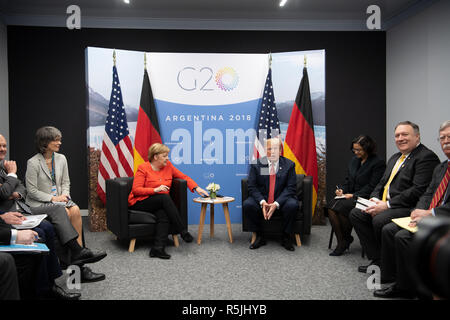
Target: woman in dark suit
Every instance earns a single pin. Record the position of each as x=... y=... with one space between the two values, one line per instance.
x=364 y=172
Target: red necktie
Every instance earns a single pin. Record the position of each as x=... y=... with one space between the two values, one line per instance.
x=438 y=195
x=271 y=184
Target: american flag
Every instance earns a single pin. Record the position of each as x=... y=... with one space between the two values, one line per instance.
x=268 y=123
x=116 y=159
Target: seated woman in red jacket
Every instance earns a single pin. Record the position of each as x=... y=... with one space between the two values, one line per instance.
x=150 y=192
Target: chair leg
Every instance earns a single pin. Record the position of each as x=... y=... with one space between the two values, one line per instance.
x=175 y=241
x=297 y=240
x=132 y=243
x=253 y=238
x=331 y=238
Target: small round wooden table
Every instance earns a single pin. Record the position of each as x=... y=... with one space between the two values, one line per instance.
x=205 y=201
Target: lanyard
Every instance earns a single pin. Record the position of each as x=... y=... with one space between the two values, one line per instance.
x=53 y=169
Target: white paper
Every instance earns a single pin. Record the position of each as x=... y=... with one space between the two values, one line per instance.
x=31 y=221
x=363 y=204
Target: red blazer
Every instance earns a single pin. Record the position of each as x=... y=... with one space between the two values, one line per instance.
x=146 y=180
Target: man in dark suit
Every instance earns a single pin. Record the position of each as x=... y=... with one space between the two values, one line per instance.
x=36 y=274
x=407 y=175
x=272 y=187
x=12 y=195
x=395 y=241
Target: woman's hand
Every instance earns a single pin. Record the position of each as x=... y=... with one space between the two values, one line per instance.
x=339 y=192
x=348 y=196
x=201 y=192
x=161 y=188
x=61 y=198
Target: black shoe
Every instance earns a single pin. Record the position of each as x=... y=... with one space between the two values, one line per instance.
x=159 y=253
x=340 y=249
x=88 y=276
x=60 y=293
x=287 y=243
x=259 y=242
x=187 y=237
x=392 y=292
x=87 y=256
x=338 y=252
x=363 y=269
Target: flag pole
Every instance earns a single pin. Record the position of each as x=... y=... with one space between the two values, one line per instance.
x=145 y=61
x=304 y=61
x=114 y=57
x=270 y=60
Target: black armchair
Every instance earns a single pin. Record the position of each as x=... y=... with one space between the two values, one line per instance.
x=133 y=224
x=303 y=220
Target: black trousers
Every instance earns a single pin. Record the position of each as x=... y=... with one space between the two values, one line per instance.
x=166 y=212
x=396 y=257
x=27 y=266
x=253 y=212
x=369 y=229
x=9 y=283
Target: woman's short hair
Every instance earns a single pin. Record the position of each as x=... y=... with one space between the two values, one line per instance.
x=155 y=149
x=367 y=143
x=44 y=136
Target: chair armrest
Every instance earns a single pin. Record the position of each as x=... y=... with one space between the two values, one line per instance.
x=244 y=189
x=117 y=192
x=307 y=203
x=178 y=192
x=244 y=194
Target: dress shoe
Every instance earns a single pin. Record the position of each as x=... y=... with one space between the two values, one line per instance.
x=87 y=256
x=187 y=237
x=259 y=242
x=340 y=249
x=392 y=292
x=159 y=253
x=88 y=276
x=287 y=243
x=363 y=269
x=60 y=293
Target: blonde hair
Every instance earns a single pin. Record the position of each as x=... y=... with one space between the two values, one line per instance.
x=156 y=149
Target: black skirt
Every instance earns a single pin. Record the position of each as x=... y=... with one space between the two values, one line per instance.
x=342 y=206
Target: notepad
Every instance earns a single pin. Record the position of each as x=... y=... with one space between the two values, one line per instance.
x=32 y=221
x=35 y=247
x=404 y=223
x=363 y=204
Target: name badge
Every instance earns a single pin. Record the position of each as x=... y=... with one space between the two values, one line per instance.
x=54 y=193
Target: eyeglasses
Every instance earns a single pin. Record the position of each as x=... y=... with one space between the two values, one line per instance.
x=357 y=150
x=442 y=138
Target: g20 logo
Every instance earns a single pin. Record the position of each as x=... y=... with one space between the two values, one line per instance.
x=190 y=79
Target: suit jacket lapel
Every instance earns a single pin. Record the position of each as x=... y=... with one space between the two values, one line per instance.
x=44 y=166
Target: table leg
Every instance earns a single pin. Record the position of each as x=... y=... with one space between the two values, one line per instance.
x=227 y=219
x=211 y=221
x=202 y=222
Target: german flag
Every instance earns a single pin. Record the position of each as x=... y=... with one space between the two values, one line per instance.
x=147 y=128
x=300 y=143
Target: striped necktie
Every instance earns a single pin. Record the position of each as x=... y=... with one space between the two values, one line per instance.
x=272 y=178
x=439 y=194
x=393 y=173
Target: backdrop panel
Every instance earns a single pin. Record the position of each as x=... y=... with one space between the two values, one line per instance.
x=207 y=107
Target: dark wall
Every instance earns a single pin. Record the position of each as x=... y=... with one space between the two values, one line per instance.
x=47 y=84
